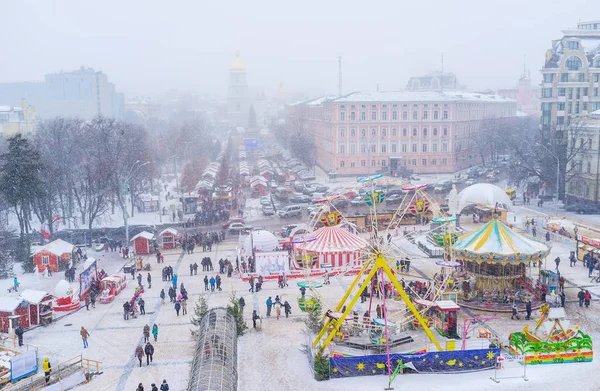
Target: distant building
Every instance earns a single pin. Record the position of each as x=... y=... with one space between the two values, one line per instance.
x=238 y=101
x=526 y=95
x=434 y=81
x=83 y=93
x=17 y=120
x=571 y=75
x=424 y=132
x=585 y=186
x=140 y=108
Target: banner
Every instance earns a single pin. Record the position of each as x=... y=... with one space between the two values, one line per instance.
x=431 y=362
x=272 y=262
x=23 y=365
x=86 y=278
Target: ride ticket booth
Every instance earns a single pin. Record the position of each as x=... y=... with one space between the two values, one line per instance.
x=443 y=314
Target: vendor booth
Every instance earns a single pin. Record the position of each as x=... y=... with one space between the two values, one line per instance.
x=13 y=312
x=54 y=256
x=143 y=243
x=167 y=238
x=40 y=306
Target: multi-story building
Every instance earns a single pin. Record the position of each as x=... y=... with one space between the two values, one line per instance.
x=17 y=120
x=425 y=132
x=585 y=185
x=238 y=102
x=571 y=76
x=83 y=93
x=526 y=95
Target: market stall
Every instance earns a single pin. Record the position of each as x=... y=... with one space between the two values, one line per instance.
x=54 y=256
x=167 y=238
x=332 y=247
x=40 y=306
x=13 y=312
x=143 y=243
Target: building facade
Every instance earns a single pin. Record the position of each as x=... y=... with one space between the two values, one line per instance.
x=424 y=132
x=571 y=76
x=238 y=102
x=526 y=95
x=84 y=93
x=434 y=81
x=585 y=185
x=17 y=120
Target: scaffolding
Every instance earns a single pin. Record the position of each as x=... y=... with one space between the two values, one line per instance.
x=215 y=362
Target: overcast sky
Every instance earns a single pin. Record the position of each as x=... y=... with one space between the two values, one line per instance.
x=147 y=47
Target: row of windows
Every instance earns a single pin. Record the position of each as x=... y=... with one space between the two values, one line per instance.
x=564 y=77
x=383 y=163
x=578 y=92
x=384 y=115
x=393 y=148
x=385 y=106
x=415 y=132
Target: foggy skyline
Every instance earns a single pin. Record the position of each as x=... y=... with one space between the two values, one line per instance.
x=147 y=48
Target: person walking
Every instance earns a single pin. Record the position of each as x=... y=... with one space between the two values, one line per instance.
x=19 y=332
x=277 y=309
x=87 y=302
x=581 y=297
x=251 y=282
x=287 y=308
x=255 y=317
x=16 y=284
x=242 y=303
x=149 y=350
x=162 y=295
x=269 y=303
x=139 y=353
x=164 y=386
x=139 y=278
x=140 y=386
x=184 y=307
x=212 y=284
x=557 y=261
x=126 y=310
x=154 y=388
x=149 y=279
x=587 y=298
x=563 y=298
x=84 y=336
x=515 y=312
x=142 y=305
x=528 y=310
x=205 y=283
x=93 y=299
x=155 y=331
x=47 y=369
x=174 y=282
x=177 y=307
x=146 y=333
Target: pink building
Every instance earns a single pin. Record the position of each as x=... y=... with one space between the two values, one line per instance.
x=424 y=132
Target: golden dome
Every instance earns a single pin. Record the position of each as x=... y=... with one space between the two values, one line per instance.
x=237 y=63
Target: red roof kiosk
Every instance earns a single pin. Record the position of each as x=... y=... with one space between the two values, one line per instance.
x=143 y=243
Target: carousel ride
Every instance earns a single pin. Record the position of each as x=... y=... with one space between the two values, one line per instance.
x=500 y=268
x=390 y=308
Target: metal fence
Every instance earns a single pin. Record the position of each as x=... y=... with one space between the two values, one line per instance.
x=215 y=362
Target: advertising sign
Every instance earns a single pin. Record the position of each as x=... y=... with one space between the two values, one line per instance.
x=85 y=279
x=23 y=365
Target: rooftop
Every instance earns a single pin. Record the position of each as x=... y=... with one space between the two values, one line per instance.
x=424 y=96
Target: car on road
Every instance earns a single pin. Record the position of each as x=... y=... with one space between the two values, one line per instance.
x=300 y=199
x=237 y=228
x=394 y=199
x=582 y=209
x=471 y=181
x=357 y=201
x=231 y=221
x=265 y=200
x=443 y=186
x=340 y=203
x=268 y=210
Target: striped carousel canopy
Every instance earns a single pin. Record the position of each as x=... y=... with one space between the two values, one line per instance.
x=497 y=242
x=334 y=240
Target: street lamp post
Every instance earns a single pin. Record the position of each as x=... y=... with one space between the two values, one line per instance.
x=557 y=173
x=576 y=243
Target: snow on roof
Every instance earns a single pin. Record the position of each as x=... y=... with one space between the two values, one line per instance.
x=33 y=296
x=88 y=262
x=9 y=304
x=143 y=234
x=57 y=247
x=424 y=96
x=168 y=230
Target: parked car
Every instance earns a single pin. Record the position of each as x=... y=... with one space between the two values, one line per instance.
x=471 y=181
x=231 y=221
x=300 y=199
x=443 y=186
x=583 y=209
x=357 y=201
x=265 y=200
x=268 y=210
x=340 y=203
x=236 y=228
x=290 y=210
x=394 y=199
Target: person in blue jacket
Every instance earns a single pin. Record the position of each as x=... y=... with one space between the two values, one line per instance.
x=269 y=305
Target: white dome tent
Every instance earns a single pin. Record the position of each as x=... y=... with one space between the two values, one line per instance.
x=262 y=240
x=483 y=193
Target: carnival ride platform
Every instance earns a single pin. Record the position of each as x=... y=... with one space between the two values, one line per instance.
x=494 y=306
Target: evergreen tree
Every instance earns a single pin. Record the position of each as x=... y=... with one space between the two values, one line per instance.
x=21 y=185
x=6 y=265
x=234 y=309
x=314 y=322
x=200 y=309
x=321 y=364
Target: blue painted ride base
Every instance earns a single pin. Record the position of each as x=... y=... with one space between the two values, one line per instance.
x=432 y=362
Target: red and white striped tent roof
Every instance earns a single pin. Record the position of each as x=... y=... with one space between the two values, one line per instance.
x=334 y=240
